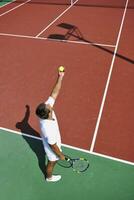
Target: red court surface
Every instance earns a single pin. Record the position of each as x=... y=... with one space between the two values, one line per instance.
x=29 y=67
x=96 y=23
x=29 y=19
x=35 y=73
x=117 y=120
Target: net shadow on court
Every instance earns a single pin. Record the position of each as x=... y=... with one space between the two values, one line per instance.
x=73 y=31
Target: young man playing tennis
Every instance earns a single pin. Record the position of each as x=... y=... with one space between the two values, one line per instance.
x=50 y=132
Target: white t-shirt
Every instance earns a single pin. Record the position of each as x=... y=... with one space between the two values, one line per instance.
x=50 y=132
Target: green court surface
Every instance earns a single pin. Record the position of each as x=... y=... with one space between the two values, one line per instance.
x=3 y=2
x=21 y=177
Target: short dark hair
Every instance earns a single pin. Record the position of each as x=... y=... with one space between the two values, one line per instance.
x=42 y=111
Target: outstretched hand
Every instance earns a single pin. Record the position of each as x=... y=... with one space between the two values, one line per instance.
x=61 y=74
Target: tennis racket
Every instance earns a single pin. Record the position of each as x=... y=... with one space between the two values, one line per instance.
x=78 y=164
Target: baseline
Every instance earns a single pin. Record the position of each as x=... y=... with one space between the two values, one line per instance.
x=70 y=147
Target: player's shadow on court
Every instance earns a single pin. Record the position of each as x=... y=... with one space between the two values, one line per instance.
x=74 y=32
x=35 y=144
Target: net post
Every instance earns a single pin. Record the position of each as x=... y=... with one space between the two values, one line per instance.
x=74 y=2
x=71 y=2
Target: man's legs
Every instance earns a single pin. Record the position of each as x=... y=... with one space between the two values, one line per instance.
x=49 y=172
x=49 y=168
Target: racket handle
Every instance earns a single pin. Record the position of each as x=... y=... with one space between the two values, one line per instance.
x=67 y=159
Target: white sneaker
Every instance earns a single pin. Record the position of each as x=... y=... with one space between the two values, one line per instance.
x=54 y=178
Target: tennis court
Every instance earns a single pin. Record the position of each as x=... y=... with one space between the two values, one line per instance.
x=94 y=41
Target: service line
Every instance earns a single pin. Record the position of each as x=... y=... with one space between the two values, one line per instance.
x=58 y=40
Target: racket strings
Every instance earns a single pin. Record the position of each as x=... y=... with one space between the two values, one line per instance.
x=80 y=165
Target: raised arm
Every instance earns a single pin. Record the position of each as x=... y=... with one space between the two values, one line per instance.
x=57 y=85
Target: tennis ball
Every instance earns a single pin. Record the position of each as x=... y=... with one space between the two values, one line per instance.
x=61 y=69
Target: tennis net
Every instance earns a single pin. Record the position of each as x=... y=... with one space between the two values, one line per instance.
x=53 y=2
x=88 y=3
x=105 y=3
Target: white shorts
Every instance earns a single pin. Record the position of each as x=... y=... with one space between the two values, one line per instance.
x=50 y=154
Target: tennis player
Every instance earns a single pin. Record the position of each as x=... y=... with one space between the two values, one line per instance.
x=50 y=132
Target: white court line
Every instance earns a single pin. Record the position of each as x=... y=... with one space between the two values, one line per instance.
x=14 y=8
x=7 y=4
x=108 y=81
x=56 y=40
x=82 y=42
x=70 y=147
x=105 y=93
x=112 y=158
x=22 y=36
x=55 y=19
